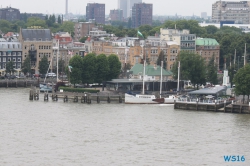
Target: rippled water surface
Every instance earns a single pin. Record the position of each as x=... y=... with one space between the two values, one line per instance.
x=57 y=133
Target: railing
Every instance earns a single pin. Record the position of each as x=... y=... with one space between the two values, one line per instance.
x=203 y=101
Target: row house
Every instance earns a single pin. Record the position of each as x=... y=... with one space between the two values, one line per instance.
x=182 y=37
x=10 y=51
x=36 y=43
x=207 y=48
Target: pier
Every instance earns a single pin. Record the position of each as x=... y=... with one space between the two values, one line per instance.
x=226 y=106
x=87 y=98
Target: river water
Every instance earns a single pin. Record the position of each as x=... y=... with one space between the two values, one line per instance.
x=57 y=133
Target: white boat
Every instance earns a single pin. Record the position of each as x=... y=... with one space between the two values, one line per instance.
x=142 y=99
x=170 y=99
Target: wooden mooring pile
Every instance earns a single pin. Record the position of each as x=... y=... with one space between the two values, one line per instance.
x=76 y=97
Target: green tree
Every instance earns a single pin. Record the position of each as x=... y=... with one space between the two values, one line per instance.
x=211 y=29
x=162 y=57
x=192 y=68
x=242 y=81
x=26 y=66
x=5 y=26
x=83 y=39
x=43 y=65
x=102 y=68
x=10 y=68
x=34 y=21
x=53 y=18
x=76 y=71
x=59 y=20
x=89 y=68
x=68 y=26
x=114 y=66
x=212 y=72
x=25 y=17
x=129 y=23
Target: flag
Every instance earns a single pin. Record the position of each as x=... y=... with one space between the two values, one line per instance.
x=140 y=34
x=70 y=67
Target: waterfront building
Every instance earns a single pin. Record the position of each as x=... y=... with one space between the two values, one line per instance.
x=96 y=12
x=36 y=43
x=10 y=51
x=231 y=11
x=116 y=15
x=9 y=14
x=182 y=37
x=82 y=29
x=142 y=14
x=207 y=48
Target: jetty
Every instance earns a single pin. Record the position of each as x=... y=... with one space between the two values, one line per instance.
x=226 y=106
x=77 y=97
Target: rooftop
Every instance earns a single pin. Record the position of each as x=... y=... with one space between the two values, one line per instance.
x=209 y=91
x=150 y=70
x=206 y=41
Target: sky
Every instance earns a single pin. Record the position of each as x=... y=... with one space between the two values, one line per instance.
x=160 y=7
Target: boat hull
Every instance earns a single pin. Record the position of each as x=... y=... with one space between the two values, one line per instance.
x=140 y=99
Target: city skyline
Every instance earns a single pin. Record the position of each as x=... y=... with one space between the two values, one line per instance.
x=167 y=7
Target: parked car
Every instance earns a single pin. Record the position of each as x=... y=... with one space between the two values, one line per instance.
x=12 y=77
x=51 y=75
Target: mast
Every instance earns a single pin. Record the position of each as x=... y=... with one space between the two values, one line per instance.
x=57 y=60
x=143 y=78
x=178 y=83
x=161 y=79
x=245 y=54
x=234 y=58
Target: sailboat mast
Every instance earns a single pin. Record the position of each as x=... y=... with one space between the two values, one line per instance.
x=161 y=79
x=57 y=55
x=143 y=91
x=178 y=83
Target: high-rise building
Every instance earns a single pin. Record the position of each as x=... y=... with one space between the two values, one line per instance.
x=9 y=14
x=204 y=15
x=95 y=12
x=122 y=5
x=142 y=14
x=126 y=6
x=82 y=29
x=130 y=4
x=116 y=15
x=237 y=11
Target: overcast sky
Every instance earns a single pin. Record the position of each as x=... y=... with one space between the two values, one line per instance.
x=160 y=7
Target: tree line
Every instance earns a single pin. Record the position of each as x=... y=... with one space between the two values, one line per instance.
x=93 y=68
x=194 y=68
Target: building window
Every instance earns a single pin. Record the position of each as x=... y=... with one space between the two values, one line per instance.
x=14 y=59
x=18 y=59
